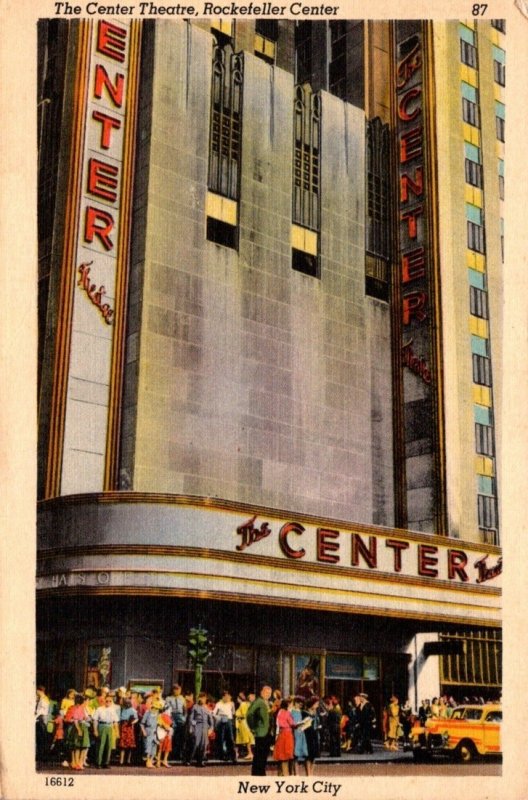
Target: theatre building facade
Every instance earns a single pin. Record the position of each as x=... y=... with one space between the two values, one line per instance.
x=266 y=402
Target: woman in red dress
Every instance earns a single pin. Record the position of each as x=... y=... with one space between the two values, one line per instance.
x=284 y=751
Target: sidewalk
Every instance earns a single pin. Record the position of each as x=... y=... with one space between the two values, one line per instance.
x=380 y=754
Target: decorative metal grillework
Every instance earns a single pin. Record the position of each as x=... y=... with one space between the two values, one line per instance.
x=226 y=121
x=307 y=144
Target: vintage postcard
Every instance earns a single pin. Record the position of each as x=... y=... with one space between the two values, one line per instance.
x=264 y=360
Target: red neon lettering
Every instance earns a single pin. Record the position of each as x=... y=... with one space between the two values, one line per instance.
x=108 y=124
x=403 y=113
x=414 y=304
x=290 y=527
x=411 y=216
x=359 y=548
x=111 y=40
x=413 y=265
x=415 y=185
x=397 y=545
x=427 y=559
x=408 y=66
x=92 y=228
x=456 y=561
x=415 y=364
x=102 y=179
x=115 y=90
x=410 y=145
x=326 y=547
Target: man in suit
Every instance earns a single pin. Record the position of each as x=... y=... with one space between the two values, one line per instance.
x=258 y=718
x=367 y=722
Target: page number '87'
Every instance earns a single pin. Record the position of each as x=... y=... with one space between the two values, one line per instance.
x=479 y=9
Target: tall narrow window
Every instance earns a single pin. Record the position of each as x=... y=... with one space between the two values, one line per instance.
x=470 y=112
x=337 y=67
x=481 y=370
x=225 y=145
x=478 y=302
x=473 y=173
x=266 y=36
x=499 y=73
x=303 y=51
x=226 y=122
x=468 y=54
x=306 y=180
x=378 y=219
x=475 y=237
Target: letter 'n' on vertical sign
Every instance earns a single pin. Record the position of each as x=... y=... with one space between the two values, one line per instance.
x=88 y=362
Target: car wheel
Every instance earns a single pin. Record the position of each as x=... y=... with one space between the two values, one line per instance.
x=466 y=752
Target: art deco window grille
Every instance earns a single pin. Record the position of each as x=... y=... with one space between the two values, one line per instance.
x=480 y=663
x=226 y=121
x=306 y=157
x=378 y=170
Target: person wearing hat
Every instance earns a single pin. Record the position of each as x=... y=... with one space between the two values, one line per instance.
x=149 y=723
x=366 y=722
x=177 y=706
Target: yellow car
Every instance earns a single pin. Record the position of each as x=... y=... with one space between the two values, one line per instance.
x=470 y=732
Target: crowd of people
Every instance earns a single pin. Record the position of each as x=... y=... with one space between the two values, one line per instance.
x=98 y=725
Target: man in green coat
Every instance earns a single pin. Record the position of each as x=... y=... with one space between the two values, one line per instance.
x=258 y=719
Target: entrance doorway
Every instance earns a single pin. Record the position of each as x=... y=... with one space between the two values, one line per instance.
x=345 y=691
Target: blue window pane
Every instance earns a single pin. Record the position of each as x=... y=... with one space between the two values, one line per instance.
x=501 y=167
x=466 y=34
x=472 y=152
x=482 y=414
x=474 y=214
x=469 y=92
x=499 y=55
x=479 y=345
x=500 y=110
x=485 y=484
x=476 y=279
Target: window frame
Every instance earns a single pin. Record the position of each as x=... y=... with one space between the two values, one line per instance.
x=476 y=237
x=470 y=112
x=468 y=54
x=478 y=302
x=473 y=172
x=481 y=372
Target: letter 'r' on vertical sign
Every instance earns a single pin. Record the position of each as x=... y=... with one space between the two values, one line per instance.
x=111 y=40
x=92 y=226
x=414 y=305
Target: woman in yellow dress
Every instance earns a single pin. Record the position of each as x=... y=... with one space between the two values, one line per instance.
x=244 y=737
x=394 y=723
